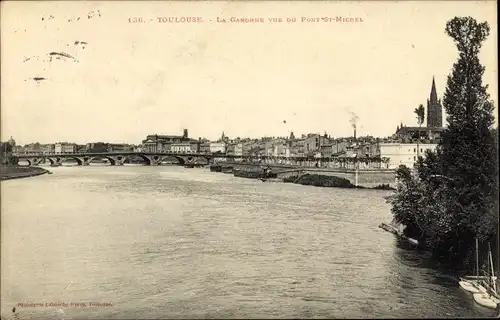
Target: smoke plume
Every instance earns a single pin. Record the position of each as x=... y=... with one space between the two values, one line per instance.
x=353 y=120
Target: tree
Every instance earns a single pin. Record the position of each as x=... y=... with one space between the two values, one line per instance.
x=468 y=156
x=5 y=148
x=454 y=197
x=420 y=112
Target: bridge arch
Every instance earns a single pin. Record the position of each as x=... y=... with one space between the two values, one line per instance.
x=180 y=159
x=65 y=158
x=144 y=157
x=196 y=159
x=90 y=159
x=207 y=159
x=28 y=160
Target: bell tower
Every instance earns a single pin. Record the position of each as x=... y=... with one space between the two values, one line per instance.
x=434 y=109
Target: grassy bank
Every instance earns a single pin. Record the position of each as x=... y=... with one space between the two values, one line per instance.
x=16 y=172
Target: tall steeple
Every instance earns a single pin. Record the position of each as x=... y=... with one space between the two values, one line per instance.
x=434 y=96
x=434 y=109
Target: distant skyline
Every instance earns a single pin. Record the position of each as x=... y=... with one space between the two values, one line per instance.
x=133 y=79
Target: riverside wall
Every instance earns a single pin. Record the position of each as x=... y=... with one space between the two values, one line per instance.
x=368 y=178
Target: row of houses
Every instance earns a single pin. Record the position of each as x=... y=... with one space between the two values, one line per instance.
x=399 y=149
x=71 y=148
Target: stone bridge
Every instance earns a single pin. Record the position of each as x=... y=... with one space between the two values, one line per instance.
x=156 y=158
x=119 y=158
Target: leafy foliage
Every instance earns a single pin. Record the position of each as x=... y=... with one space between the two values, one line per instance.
x=6 y=157
x=420 y=112
x=453 y=198
x=5 y=147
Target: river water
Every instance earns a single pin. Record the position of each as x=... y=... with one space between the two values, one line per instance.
x=171 y=242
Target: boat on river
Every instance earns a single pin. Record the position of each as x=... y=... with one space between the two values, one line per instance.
x=227 y=169
x=469 y=285
x=486 y=300
x=472 y=283
x=271 y=180
x=216 y=168
x=484 y=289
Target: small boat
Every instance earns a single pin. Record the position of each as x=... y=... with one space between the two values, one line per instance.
x=469 y=285
x=267 y=173
x=189 y=165
x=49 y=172
x=413 y=241
x=474 y=278
x=215 y=168
x=484 y=289
x=227 y=169
x=263 y=179
x=486 y=300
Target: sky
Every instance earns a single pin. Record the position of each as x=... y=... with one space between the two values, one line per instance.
x=130 y=79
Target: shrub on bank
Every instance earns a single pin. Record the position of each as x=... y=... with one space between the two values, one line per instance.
x=323 y=181
x=252 y=174
x=383 y=186
x=290 y=179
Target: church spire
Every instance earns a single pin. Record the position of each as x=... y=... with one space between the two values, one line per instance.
x=433 y=97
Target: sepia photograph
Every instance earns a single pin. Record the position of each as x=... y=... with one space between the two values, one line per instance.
x=249 y=160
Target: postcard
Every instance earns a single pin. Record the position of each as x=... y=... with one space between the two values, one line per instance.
x=249 y=159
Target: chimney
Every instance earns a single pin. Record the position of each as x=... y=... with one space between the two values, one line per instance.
x=185 y=135
x=354 y=134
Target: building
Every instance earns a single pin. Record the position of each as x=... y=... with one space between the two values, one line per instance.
x=313 y=143
x=297 y=148
x=49 y=148
x=248 y=146
x=195 y=145
x=120 y=147
x=409 y=134
x=339 y=147
x=327 y=150
x=205 y=147
x=217 y=147
x=281 y=148
x=65 y=148
x=162 y=143
x=35 y=149
x=230 y=149
x=402 y=153
x=238 y=149
x=96 y=147
x=180 y=147
x=434 y=125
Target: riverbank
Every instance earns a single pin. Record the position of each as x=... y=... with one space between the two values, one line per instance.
x=327 y=181
x=368 y=178
x=16 y=172
x=296 y=176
